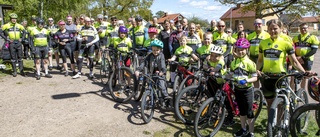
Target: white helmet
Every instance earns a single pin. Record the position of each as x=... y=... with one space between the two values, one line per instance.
x=216 y=49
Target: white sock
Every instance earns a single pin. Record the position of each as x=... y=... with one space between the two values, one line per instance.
x=46 y=71
x=172 y=76
x=38 y=72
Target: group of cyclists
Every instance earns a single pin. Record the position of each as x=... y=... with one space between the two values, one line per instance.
x=240 y=56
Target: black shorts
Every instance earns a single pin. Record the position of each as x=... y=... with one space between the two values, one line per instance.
x=41 y=52
x=269 y=87
x=307 y=64
x=244 y=98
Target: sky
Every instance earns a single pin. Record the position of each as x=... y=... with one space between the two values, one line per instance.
x=204 y=9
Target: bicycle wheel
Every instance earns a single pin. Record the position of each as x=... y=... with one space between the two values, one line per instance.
x=277 y=123
x=104 y=69
x=188 y=81
x=302 y=123
x=141 y=87
x=299 y=115
x=122 y=87
x=257 y=102
x=135 y=62
x=188 y=102
x=302 y=93
x=209 y=119
x=147 y=106
x=176 y=84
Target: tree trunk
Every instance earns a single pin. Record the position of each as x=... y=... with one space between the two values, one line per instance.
x=258 y=9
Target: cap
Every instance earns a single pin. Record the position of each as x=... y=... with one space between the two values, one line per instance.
x=62 y=23
x=69 y=17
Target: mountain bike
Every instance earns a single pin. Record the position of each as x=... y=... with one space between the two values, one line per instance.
x=106 y=64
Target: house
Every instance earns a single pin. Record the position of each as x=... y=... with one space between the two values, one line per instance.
x=175 y=17
x=235 y=15
x=293 y=22
x=313 y=22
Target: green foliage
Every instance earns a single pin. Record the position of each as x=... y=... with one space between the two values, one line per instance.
x=197 y=20
x=302 y=7
x=160 y=13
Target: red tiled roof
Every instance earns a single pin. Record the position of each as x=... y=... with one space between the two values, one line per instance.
x=237 y=13
x=310 y=19
x=169 y=17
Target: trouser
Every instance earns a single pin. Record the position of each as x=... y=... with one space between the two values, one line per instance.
x=15 y=49
x=66 y=50
x=90 y=52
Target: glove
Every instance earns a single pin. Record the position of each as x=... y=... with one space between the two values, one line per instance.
x=242 y=82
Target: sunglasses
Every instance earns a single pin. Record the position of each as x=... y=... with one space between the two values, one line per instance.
x=257 y=24
x=221 y=26
x=228 y=31
x=50 y=20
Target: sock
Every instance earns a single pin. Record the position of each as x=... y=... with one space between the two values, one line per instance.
x=46 y=71
x=90 y=72
x=38 y=72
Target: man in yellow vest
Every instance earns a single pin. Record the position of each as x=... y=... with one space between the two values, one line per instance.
x=13 y=34
x=140 y=33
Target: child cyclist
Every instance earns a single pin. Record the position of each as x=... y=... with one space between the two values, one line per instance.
x=244 y=72
x=123 y=44
x=152 y=31
x=155 y=64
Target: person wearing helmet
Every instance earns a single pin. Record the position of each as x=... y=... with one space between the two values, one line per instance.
x=101 y=27
x=155 y=64
x=105 y=18
x=54 y=47
x=13 y=33
x=152 y=32
x=123 y=44
x=87 y=36
x=63 y=38
x=139 y=33
x=244 y=73
x=112 y=31
x=40 y=42
x=32 y=26
x=313 y=88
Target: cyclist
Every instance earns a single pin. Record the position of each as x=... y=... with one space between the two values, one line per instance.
x=123 y=44
x=87 y=36
x=30 y=28
x=139 y=34
x=155 y=64
x=240 y=29
x=213 y=28
x=40 y=41
x=54 y=47
x=63 y=39
x=101 y=27
x=13 y=34
x=193 y=40
x=152 y=32
x=173 y=46
x=164 y=37
x=220 y=38
x=156 y=25
x=207 y=44
x=306 y=46
x=70 y=26
x=112 y=31
x=244 y=72
x=25 y=41
x=272 y=54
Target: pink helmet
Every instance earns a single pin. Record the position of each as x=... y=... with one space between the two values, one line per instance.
x=242 y=43
x=152 y=30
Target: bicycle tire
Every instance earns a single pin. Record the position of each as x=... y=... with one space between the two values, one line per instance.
x=210 y=110
x=141 y=88
x=188 y=102
x=297 y=114
x=302 y=123
x=147 y=104
x=120 y=91
x=135 y=62
x=273 y=127
x=104 y=72
x=257 y=103
x=183 y=82
x=176 y=84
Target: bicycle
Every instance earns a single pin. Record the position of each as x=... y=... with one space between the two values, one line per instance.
x=189 y=99
x=284 y=104
x=122 y=80
x=106 y=66
x=151 y=97
x=211 y=115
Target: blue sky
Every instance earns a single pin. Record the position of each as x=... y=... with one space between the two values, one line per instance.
x=205 y=9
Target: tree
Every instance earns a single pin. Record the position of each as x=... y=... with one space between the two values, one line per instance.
x=302 y=7
x=197 y=20
x=160 y=13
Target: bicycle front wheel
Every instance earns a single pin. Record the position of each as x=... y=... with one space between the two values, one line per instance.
x=257 y=103
x=147 y=106
x=104 y=69
x=277 y=125
x=209 y=119
x=122 y=86
x=299 y=116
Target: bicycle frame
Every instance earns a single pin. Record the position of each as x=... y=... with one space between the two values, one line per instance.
x=153 y=86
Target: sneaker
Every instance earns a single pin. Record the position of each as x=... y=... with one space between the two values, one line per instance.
x=48 y=75
x=58 y=67
x=66 y=74
x=249 y=135
x=78 y=75
x=74 y=73
x=50 y=67
x=38 y=77
x=22 y=73
x=228 y=122
x=91 y=76
x=240 y=133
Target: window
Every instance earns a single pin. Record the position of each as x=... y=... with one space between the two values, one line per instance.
x=263 y=22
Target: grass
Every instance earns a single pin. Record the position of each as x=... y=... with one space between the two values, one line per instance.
x=28 y=66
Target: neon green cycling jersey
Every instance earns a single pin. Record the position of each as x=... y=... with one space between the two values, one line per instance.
x=304 y=46
x=274 y=54
x=139 y=35
x=222 y=39
x=112 y=33
x=103 y=27
x=184 y=54
x=204 y=49
x=14 y=31
x=147 y=42
x=123 y=45
x=254 y=40
x=30 y=28
x=223 y=70
x=40 y=37
x=286 y=38
x=243 y=68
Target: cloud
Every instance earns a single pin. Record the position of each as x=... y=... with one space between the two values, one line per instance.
x=199 y=3
x=212 y=8
x=184 y=1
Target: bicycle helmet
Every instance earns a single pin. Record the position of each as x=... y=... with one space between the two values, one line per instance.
x=242 y=43
x=216 y=49
x=152 y=30
x=313 y=88
x=123 y=29
x=138 y=18
x=40 y=21
x=157 y=43
x=13 y=16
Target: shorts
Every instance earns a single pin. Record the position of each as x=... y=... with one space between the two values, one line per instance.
x=41 y=52
x=244 y=98
x=89 y=51
x=268 y=87
x=307 y=64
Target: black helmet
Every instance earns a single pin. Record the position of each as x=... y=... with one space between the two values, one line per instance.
x=40 y=21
